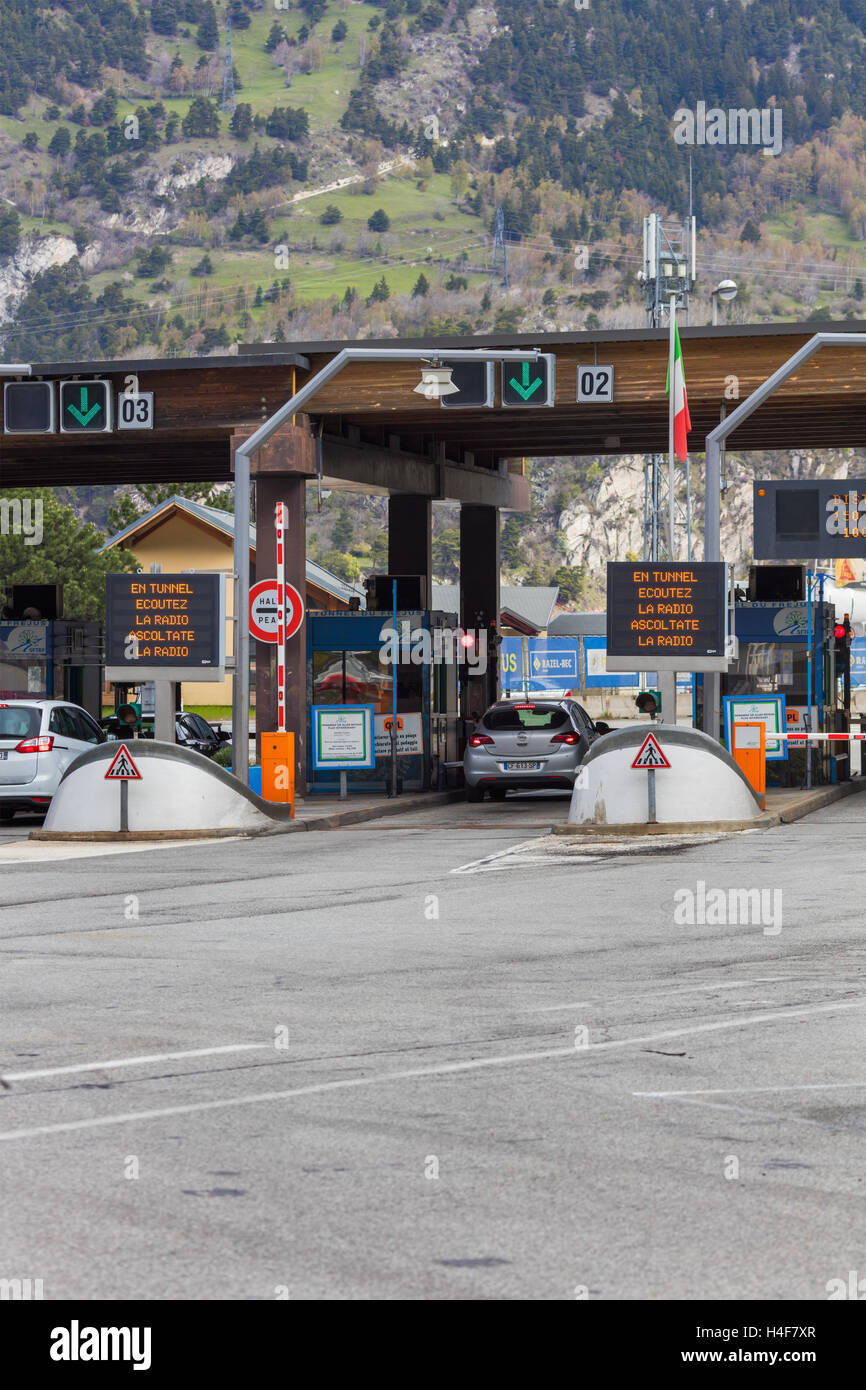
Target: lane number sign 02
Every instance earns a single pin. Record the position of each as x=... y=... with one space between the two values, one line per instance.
x=135 y=410
x=595 y=383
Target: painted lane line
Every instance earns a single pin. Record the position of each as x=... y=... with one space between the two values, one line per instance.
x=130 y=1061
x=675 y=990
x=476 y=863
x=416 y=1073
x=47 y=851
x=756 y=1090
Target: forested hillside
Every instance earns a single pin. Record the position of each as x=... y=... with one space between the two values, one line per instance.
x=348 y=186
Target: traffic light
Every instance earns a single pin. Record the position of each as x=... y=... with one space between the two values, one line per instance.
x=474 y=382
x=649 y=702
x=529 y=383
x=85 y=407
x=842 y=644
x=28 y=407
x=130 y=714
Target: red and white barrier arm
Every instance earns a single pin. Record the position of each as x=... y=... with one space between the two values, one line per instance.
x=799 y=738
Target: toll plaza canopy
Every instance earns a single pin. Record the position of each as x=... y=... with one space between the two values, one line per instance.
x=378 y=434
x=367 y=429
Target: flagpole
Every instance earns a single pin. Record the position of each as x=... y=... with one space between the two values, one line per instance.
x=671 y=409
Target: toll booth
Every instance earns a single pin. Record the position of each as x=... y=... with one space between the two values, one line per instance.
x=774 y=651
x=346 y=666
x=52 y=660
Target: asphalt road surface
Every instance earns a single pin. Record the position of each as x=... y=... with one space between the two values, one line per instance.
x=439 y=1057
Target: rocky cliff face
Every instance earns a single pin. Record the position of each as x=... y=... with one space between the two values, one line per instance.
x=34 y=254
x=606 y=521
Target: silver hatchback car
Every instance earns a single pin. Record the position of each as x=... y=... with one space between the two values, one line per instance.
x=38 y=741
x=523 y=745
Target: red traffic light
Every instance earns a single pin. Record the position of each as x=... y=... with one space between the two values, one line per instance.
x=839 y=631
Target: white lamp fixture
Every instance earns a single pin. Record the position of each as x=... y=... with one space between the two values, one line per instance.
x=436 y=382
x=725 y=289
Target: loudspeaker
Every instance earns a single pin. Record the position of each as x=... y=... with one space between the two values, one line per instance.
x=411 y=592
x=46 y=601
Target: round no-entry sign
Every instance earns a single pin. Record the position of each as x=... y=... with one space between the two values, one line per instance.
x=263 y=610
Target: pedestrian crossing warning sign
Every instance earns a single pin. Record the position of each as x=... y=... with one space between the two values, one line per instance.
x=650 y=755
x=122 y=768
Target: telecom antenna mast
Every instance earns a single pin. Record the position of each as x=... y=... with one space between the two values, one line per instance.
x=499 y=246
x=228 y=101
x=669 y=268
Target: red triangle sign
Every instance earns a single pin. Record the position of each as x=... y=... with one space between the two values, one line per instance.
x=122 y=768
x=650 y=755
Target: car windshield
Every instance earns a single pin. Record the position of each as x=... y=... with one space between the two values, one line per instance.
x=19 y=721
x=526 y=716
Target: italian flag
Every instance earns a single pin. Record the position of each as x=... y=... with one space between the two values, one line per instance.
x=682 y=422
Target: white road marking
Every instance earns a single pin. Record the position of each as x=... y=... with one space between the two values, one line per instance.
x=476 y=866
x=130 y=1061
x=757 y=1090
x=660 y=989
x=415 y=1073
x=554 y=850
x=40 y=851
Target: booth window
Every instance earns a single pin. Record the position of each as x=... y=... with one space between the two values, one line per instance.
x=765 y=668
x=362 y=678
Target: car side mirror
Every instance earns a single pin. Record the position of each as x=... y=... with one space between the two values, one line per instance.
x=602 y=728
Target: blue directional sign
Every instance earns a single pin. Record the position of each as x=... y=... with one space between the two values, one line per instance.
x=858 y=663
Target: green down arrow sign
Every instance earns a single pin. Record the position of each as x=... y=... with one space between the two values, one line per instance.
x=85 y=406
x=527 y=383
x=526 y=388
x=83 y=415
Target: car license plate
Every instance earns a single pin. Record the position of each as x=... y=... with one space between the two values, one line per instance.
x=522 y=767
x=3 y=755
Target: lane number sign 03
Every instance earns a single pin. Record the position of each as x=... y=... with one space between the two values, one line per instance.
x=135 y=411
x=595 y=384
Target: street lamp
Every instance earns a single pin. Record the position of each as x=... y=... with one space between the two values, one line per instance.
x=436 y=382
x=725 y=289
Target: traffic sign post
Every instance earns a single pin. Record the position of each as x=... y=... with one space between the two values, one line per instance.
x=264 y=610
x=280 y=525
x=122 y=769
x=650 y=758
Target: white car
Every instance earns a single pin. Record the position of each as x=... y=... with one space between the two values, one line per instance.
x=38 y=741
